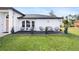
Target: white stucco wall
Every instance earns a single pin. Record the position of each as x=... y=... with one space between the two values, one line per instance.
x=47 y=22
x=13 y=21
x=16 y=22
x=44 y=23
x=2 y=20
x=10 y=19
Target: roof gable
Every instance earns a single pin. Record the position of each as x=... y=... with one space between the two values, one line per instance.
x=4 y=8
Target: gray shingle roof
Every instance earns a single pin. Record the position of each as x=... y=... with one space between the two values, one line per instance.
x=39 y=16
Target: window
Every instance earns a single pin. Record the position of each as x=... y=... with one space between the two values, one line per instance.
x=27 y=23
x=33 y=23
x=23 y=23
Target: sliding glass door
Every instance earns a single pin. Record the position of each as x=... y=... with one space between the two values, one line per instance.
x=27 y=25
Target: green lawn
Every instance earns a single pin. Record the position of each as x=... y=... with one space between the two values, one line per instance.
x=54 y=42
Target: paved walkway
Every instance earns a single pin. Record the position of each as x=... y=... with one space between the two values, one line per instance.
x=3 y=34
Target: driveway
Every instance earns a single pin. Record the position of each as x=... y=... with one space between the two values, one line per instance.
x=3 y=34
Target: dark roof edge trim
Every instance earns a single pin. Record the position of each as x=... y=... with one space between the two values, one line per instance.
x=41 y=18
x=18 y=11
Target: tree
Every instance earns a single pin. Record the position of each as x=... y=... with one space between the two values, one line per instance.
x=78 y=17
x=66 y=17
x=52 y=13
x=71 y=18
x=66 y=24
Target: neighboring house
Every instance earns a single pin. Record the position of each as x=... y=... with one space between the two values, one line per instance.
x=76 y=23
x=12 y=18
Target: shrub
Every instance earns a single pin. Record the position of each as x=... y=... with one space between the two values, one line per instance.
x=57 y=29
x=32 y=30
x=50 y=28
x=46 y=30
x=12 y=31
x=41 y=28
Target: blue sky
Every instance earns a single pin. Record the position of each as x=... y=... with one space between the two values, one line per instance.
x=59 y=11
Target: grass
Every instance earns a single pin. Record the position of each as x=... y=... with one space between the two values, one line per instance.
x=54 y=42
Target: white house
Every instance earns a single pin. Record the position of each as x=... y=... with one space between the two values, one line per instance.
x=12 y=18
